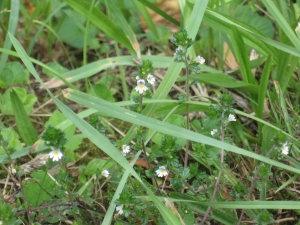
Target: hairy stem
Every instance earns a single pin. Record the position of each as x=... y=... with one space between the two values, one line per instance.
x=219 y=175
x=252 y=186
x=144 y=149
x=187 y=90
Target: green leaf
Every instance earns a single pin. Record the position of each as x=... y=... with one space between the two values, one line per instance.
x=283 y=24
x=222 y=22
x=241 y=55
x=13 y=73
x=71 y=30
x=264 y=81
x=173 y=119
x=226 y=218
x=163 y=34
x=102 y=91
x=73 y=140
x=114 y=111
x=13 y=139
x=247 y=15
x=223 y=80
x=121 y=22
x=101 y=21
x=56 y=118
x=160 y=12
x=27 y=100
x=24 y=125
x=35 y=193
x=93 y=166
x=12 y=27
x=55 y=67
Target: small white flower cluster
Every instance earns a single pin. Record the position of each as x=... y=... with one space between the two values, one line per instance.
x=231 y=118
x=161 y=171
x=177 y=50
x=151 y=79
x=55 y=154
x=119 y=209
x=105 y=173
x=125 y=149
x=213 y=132
x=285 y=148
x=200 y=59
x=141 y=84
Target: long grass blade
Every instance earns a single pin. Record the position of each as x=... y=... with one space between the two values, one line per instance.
x=12 y=26
x=107 y=108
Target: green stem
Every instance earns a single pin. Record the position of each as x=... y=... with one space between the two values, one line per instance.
x=144 y=148
x=187 y=88
x=219 y=175
x=252 y=186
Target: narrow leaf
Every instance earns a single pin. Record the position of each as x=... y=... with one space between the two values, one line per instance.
x=24 y=125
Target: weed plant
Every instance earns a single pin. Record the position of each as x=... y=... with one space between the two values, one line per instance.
x=106 y=120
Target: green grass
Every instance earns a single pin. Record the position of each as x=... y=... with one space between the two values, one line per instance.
x=113 y=46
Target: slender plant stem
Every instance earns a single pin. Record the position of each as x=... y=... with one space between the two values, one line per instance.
x=18 y=181
x=68 y=186
x=144 y=149
x=187 y=90
x=252 y=186
x=219 y=175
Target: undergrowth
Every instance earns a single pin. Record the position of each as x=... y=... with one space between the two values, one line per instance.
x=112 y=116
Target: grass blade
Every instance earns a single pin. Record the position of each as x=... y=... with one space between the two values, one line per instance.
x=25 y=127
x=110 y=211
x=160 y=12
x=264 y=81
x=283 y=24
x=101 y=21
x=268 y=41
x=114 y=111
x=12 y=26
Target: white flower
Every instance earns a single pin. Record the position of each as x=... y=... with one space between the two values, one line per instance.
x=137 y=77
x=55 y=154
x=141 y=87
x=161 y=171
x=213 y=132
x=125 y=149
x=1 y=222
x=298 y=27
x=13 y=170
x=231 y=118
x=285 y=149
x=177 y=50
x=105 y=173
x=200 y=59
x=120 y=209
x=151 y=79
